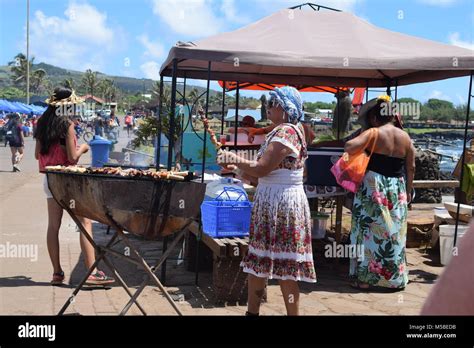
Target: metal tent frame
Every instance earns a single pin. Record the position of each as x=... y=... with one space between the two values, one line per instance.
x=176 y=71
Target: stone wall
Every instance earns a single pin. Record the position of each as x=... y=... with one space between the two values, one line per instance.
x=427 y=168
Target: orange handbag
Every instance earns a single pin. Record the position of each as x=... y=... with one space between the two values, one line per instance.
x=349 y=170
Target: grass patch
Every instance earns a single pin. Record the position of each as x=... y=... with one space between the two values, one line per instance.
x=428 y=130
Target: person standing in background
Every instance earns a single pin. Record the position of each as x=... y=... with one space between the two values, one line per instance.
x=113 y=125
x=15 y=139
x=129 y=122
x=99 y=126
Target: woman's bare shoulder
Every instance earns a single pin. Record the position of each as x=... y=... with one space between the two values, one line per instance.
x=398 y=133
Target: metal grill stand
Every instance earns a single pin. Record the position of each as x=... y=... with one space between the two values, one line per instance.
x=101 y=252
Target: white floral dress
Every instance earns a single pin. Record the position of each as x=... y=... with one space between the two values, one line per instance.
x=280 y=229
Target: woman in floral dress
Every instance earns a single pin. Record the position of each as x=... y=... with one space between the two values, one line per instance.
x=280 y=232
x=379 y=214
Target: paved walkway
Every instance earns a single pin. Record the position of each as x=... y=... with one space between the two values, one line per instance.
x=25 y=289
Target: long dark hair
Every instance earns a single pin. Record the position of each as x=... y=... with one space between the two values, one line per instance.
x=53 y=125
x=375 y=114
x=13 y=120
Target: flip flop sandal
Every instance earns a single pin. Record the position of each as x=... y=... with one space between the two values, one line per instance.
x=357 y=285
x=58 y=278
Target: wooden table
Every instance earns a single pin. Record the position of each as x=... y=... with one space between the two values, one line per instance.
x=228 y=281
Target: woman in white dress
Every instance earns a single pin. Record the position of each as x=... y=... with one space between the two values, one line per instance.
x=280 y=232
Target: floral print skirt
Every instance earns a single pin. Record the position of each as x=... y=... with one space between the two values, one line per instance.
x=379 y=230
x=280 y=235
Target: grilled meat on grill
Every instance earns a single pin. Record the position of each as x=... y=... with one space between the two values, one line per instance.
x=131 y=172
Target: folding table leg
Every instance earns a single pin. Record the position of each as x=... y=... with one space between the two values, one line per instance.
x=79 y=287
x=153 y=269
x=151 y=275
x=122 y=282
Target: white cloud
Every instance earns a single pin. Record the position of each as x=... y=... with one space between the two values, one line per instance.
x=153 y=49
x=79 y=40
x=439 y=3
x=201 y=18
x=197 y=18
x=151 y=70
x=188 y=17
x=230 y=12
x=455 y=40
x=436 y=94
x=461 y=99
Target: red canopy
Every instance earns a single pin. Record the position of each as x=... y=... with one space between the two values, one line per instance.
x=356 y=99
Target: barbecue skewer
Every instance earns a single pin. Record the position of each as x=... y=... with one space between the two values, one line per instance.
x=212 y=134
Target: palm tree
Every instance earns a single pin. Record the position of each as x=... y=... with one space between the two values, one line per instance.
x=38 y=80
x=89 y=81
x=48 y=87
x=193 y=96
x=107 y=89
x=68 y=83
x=18 y=68
x=166 y=95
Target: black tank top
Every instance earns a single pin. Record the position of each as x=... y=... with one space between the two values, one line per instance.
x=387 y=165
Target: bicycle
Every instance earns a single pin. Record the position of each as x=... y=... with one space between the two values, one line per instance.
x=84 y=133
x=87 y=136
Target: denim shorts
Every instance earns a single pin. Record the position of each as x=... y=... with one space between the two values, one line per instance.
x=46 y=188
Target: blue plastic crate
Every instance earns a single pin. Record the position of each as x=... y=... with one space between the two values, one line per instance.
x=225 y=218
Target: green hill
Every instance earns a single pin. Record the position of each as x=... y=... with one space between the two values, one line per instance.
x=56 y=75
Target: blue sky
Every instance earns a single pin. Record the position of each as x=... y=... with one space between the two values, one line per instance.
x=132 y=37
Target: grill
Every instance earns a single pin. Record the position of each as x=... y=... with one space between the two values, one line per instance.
x=147 y=207
x=137 y=205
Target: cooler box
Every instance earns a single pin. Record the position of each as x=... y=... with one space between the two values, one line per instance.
x=318 y=165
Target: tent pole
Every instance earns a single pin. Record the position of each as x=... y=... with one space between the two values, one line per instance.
x=28 y=52
x=223 y=107
x=461 y=178
x=237 y=90
x=160 y=112
x=182 y=120
x=207 y=110
x=172 y=114
x=171 y=133
x=338 y=113
x=367 y=91
x=396 y=90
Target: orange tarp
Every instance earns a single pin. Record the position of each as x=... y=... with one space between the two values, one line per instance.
x=356 y=100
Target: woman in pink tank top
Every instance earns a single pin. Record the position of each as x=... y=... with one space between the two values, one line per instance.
x=56 y=144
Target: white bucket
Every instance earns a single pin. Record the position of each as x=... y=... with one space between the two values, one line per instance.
x=446 y=241
x=319 y=226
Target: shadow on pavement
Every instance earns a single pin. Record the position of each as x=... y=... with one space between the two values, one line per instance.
x=18 y=281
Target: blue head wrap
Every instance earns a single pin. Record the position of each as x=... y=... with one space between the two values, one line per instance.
x=290 y=100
